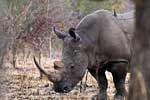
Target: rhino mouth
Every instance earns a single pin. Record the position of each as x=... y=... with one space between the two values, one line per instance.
x=65 y=90
x=60 y=87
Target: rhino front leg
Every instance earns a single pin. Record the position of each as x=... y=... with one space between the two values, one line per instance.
x=119 y=74
x=102 y=82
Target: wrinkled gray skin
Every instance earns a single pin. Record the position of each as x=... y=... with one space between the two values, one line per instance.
x=99 y=42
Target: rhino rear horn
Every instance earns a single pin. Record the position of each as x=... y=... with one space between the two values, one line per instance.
x=59 y=34
x=58 y=65
x=53 y=76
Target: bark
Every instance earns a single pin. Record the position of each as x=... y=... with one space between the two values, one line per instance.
x=140 y=63
x=3 y=47
x=3 y=50
x=41 y=75
x=14 y=51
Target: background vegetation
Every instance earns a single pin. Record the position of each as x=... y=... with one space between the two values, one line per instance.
x=27 y=23
x=26 y=27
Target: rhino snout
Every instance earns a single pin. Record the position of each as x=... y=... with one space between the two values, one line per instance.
x=62 y=87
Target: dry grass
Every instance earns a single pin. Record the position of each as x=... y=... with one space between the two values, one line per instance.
x=24 y=84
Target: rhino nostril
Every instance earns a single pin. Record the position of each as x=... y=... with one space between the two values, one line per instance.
x=65 y=89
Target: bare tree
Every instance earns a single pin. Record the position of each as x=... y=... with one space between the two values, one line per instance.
x=3 y=48
x=140 y=63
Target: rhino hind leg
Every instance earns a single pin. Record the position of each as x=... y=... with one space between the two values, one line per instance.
x=119 y=71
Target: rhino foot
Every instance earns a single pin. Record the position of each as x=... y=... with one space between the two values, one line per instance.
x=100 y=96
x=119 y=97
x=94 y=97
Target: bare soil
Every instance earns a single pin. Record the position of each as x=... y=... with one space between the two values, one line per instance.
x=24 y=83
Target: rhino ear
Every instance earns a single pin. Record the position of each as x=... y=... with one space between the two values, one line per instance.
x=59 y=34
x=72 y=33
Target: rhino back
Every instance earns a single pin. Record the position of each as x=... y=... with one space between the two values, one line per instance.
x=126 y=23
x=102 y=37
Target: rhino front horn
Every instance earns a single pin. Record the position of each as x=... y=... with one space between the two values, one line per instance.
x=53 y=76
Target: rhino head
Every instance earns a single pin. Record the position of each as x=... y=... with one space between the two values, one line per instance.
x=71 y=69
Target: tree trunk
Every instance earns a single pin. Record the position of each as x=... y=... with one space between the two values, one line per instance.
x=3 y=48
x=140 y=63
x=14 y=49
x=41 y=75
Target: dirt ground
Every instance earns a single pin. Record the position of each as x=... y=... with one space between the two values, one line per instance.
x=24 y=83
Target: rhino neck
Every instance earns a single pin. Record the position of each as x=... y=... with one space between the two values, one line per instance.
x=95 y=57
x=89 y=36
x=88 y=29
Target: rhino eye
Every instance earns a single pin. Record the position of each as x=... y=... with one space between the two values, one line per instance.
x=75 y=51
x=72 y=67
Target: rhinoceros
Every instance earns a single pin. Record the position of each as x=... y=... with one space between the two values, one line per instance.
x=99 y=43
